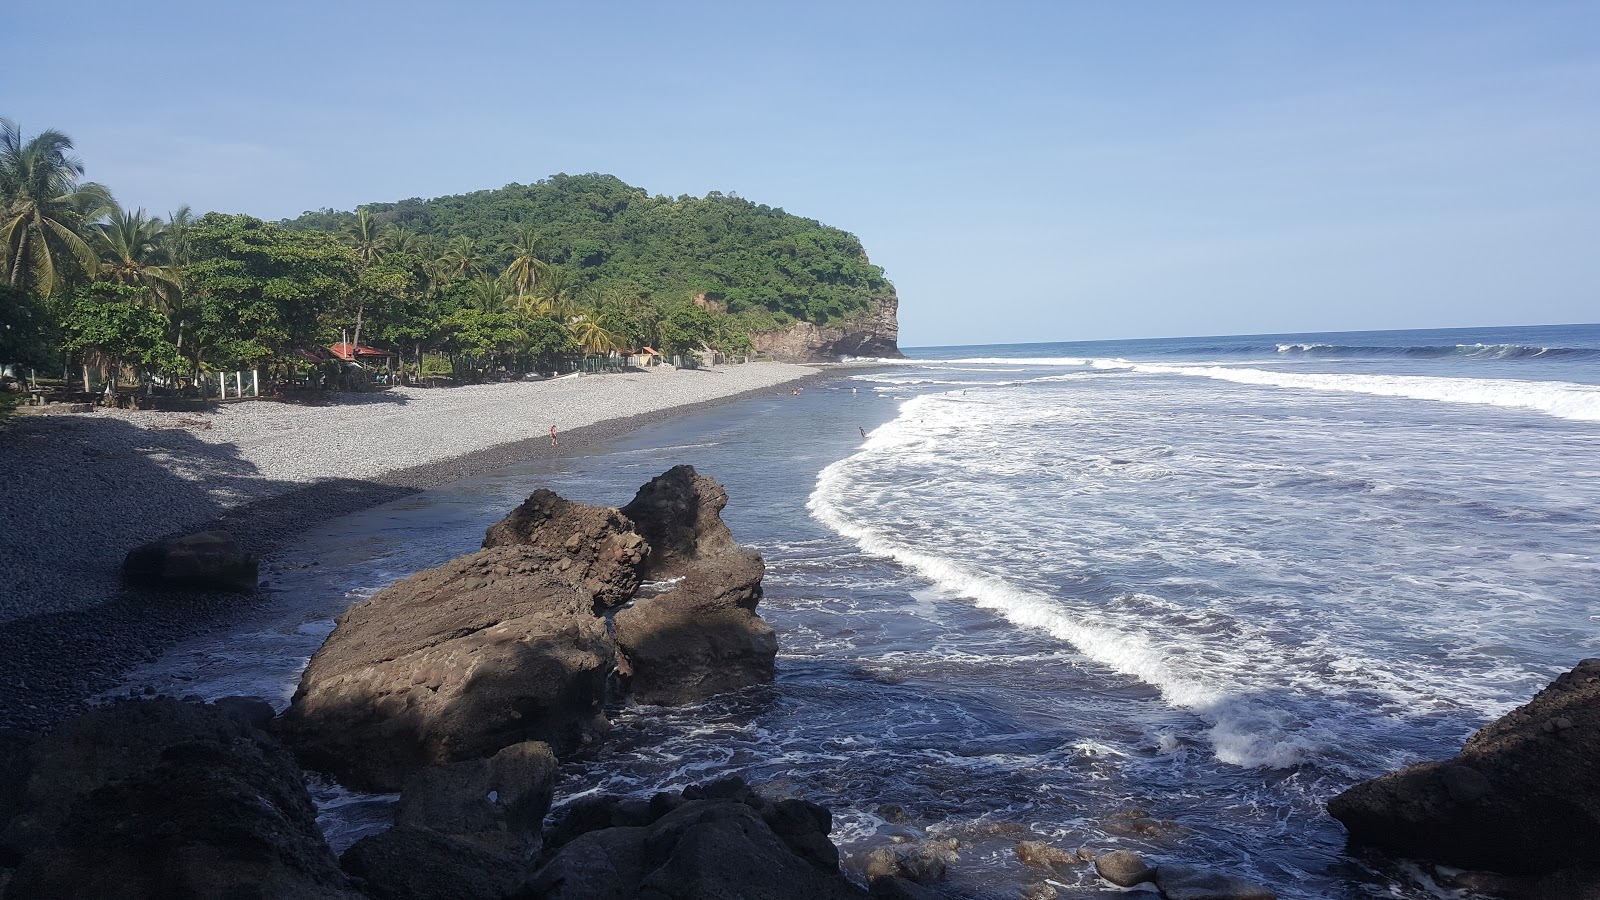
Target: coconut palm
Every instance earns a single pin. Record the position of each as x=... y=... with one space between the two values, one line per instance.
x=362 y=234
x=593 y=338
x=43 y=210
x=526 y=266
x=461 y=257
x=489 y=294
x=132 y=252
x=400 y=239
x=176 y=238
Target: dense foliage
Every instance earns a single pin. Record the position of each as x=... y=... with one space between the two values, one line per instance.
x=507 y=281
x=764 y=266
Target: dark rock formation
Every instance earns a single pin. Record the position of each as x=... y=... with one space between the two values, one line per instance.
x=497 y=803
x=701 y=637
x=159 y=799
x=873 y=333
x=410 y=863
x=509 y=644
x=453 y=663
x=210 y=560
x=596 y=547
x=722 y=840
x=1043 y=856
x=1522 y=797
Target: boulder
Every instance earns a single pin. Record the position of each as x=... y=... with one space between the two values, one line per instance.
x=450 y=664
x=679 y=513
x=598 y=547
x=919 y=865
x=210 y=560
x=1522 y=797
x=699 y=848
x=1123 y=868
x=1043 y=856
x=497 y=803
x=166 y=799
x=700 y=638
x=1189 y=883
x=892 y=887
x=410 y=863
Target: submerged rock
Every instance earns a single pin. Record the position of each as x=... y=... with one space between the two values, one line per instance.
x=1522 y=797
x=1123 y=868
x=210 y=560
x=1189 y=883
x=1044 y=856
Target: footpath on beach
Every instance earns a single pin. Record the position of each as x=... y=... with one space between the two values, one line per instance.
x=77 y=491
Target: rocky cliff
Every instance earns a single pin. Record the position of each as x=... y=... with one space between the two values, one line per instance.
x=875 y=332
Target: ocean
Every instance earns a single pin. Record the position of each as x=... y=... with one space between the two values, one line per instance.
x=1163 y=595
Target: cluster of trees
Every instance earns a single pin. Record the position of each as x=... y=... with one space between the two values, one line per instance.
x=519 y=278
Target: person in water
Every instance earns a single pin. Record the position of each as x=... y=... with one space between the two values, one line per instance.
x=863 y=432
x=552 y=435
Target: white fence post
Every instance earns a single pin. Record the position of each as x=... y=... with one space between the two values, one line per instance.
x=222 y=384
x=255 y=381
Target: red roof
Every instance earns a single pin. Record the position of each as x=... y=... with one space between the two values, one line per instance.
x=343 y=351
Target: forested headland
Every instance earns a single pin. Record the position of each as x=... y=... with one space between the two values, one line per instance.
x=507 y=280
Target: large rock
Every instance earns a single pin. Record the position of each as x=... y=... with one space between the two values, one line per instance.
x=160 y=799
x=210 y=560
x=702 y=636
x=497 y=803
x=1523 y=796
x=1189 y=883
x=719 y=841
x=454 y=663
x=596 y=546
x=411 y=863
x=874 y=332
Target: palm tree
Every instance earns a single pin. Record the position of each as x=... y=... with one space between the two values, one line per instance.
x=555 y=297
x=461 y=257
x=489 y=294
x=132 y=252
x=362 y=234
x=43 y=209
x=400 y=239
x=523 y=273
x=593 y=338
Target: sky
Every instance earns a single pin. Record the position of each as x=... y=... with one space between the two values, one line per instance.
x=1022 y=171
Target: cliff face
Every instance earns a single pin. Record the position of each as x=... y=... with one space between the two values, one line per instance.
x=875 y=332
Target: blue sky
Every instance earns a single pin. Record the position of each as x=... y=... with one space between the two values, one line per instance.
x=1024 y=172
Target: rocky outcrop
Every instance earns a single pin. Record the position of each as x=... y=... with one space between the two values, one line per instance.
x=210 y=560
x=497 y=803
x=720 y=840
x=511 y=643
x=1522 y=797
x=875 y=332
x=411 y=863
x=454 y=663
x=159 y=799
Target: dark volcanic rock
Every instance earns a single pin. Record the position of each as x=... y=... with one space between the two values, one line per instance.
x=497 y=803
x=600 y=548
x=725 y=846
x=701 y=637
x=167 y=799
x=210 y=560
x=409 y=863
x=680 y=513
x=1522 y=797
x=453 y=663
x=1188 y=883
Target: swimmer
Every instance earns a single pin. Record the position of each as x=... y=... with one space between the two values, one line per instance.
x=552 y=435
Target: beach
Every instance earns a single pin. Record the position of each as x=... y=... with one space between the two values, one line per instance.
x=81 y=490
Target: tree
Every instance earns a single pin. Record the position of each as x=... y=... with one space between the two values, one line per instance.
x=547 y=343
x=110 y=325
x=43 y=210
x=526 y=266
x=489 y=294
x=132 y=253
x=363 y=237
x=686 y=330
x=27 y=329
x=261 y=287
x=461 y=257
x=593 y=338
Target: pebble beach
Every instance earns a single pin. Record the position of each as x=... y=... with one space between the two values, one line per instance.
x=78 y=491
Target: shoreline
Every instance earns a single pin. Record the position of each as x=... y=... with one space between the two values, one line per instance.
x=52 y=661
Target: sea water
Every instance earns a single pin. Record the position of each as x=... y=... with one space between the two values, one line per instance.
x=1065 y=591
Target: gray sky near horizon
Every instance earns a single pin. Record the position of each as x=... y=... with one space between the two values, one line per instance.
x=1024 y=172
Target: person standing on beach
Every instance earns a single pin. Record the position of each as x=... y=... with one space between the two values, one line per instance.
x=552 y=435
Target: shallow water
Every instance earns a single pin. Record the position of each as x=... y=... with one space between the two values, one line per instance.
x=1214 y=580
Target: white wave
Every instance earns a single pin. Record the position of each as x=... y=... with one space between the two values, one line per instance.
x=1562 y=399
x=979 y=361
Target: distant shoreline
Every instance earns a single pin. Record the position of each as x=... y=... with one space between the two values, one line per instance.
x=51 y=661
